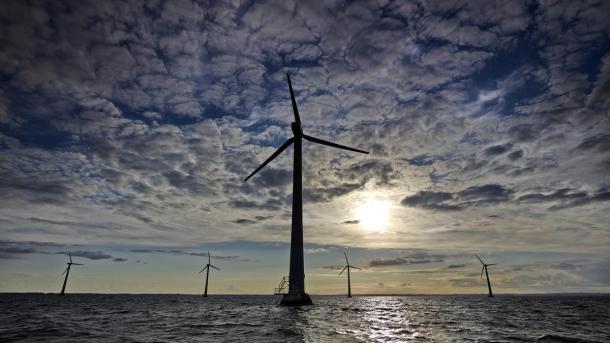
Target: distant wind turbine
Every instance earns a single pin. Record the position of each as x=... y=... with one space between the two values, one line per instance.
x=67 y=272
x=484 y=268
x=207 y=273
x=296 y=279
x=349 y=284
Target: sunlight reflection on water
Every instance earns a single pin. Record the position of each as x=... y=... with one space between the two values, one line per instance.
x=185 y=318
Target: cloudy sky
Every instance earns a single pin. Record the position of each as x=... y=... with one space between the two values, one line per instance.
x=127 y=128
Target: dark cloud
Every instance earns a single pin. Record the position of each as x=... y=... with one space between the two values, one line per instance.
x=430 y=200
x=498 y=149
x=522 y=133
x=355 y=221
x=565 y=198
x=515 y=155
x=599 y=142
x=471 y=196
x=421 y=160
x=262 y=218
x=455 y=266
x=333 y=267
x=92 y=255
x=179 y=252
x=485 y=194
x=273 y=177
x=16 y=249
x=242 y=221
x=268 y=204
x=379 y=262
x=119 y=259
x=325 y=194
x=417 y=257
x=257 y=219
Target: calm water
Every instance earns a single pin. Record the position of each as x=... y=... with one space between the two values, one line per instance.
x=186 y=318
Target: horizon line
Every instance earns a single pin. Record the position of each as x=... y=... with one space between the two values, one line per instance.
x=339 y=294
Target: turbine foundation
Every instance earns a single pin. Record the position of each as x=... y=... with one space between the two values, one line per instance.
x=298 y=299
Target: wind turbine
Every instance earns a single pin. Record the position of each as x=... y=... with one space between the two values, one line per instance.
x=349 y=284
x=296 y=279
x=67 y=272
x=207 y=273
x=486 y=274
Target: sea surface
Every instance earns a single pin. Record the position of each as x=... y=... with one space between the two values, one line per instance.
x=191 y=318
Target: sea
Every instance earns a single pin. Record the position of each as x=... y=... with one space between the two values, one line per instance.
x=237 y=318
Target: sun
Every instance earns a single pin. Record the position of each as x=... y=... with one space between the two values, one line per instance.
x=374 y=214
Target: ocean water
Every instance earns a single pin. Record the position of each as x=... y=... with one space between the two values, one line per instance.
x=191 y=318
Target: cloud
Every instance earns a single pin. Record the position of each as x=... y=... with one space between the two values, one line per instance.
x=599 y=142
x=333 y=267
x=119 y=259
x=16 y=249
x=180 y=252
x=142 y=126
x=91 y=255
x=430 y=200
x=497 y=149
x=515 y=155
x=355 y=221
x=257 y=219
x=455 y=266
x=421 y=160
x=416 y=257
x=244 y=221
x=566 y=198
x=471 y=196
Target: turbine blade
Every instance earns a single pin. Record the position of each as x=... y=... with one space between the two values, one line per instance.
x=209 y=257
x=69 y=256
x=354 y=267
x=479 y=259
x=65 y=270
x=334 y=145
x=215 y=267
x=346 y=261
x=274 y=155
x=295 y=110
x=482 y=272
x=77 y=264
x=492 y=264
x=344 y=268
x=202 y=269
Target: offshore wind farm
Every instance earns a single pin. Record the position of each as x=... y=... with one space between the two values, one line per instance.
x=197 y=171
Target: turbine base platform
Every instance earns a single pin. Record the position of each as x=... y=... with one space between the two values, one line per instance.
x=299 y=299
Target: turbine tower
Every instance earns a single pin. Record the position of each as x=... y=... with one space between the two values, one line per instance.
x=207 y=273
x=349 y=284
x=67 y=272
x=486 y=274
x=296 y=279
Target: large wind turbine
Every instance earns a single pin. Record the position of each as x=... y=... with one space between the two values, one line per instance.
x=296 y=280
x=67 y=272
x=207 y=274
x=486 y=274
x=349 y=283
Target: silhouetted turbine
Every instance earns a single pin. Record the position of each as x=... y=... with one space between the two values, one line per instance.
x=296 y=284
x=67 y=272
x=207 y=273
x=349 y=284
x=484 y=268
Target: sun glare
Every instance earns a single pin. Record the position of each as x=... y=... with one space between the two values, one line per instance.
x=374 y=214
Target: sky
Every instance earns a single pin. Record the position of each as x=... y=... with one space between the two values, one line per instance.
x=127 y=128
